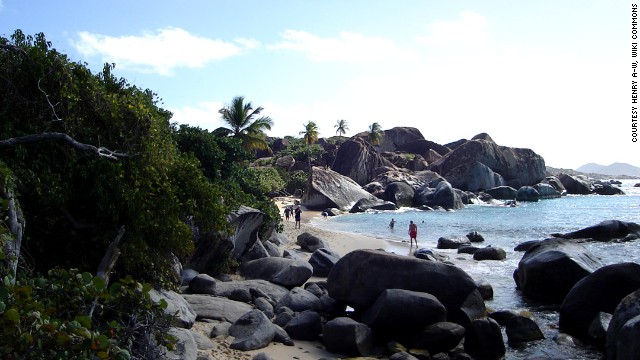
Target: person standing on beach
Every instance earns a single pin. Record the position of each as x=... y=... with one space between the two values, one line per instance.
x=298 y=215
x=287 y=212
x=413 y=233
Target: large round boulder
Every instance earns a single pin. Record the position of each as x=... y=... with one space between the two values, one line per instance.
x=575 y=185
x=344 y=335
x=605 y=231
x=547 y=191
x=443 y=195
x=489 y=253
x=309 y=242
x=359 y=278
x=502 y=192
x=601 y=291
x=252 y=330
x=483 y=339
x=282 y=271
x=399 y=193
x=299 y=299
x=439 y=337
x=527 y=193
x=322 y=261
x=627 y=310
x=550 y=268
x=403 y=311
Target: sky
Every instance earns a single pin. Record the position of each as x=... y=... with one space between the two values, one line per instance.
x=552 y=76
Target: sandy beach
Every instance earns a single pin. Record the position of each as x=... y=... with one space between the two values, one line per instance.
x=340 y=242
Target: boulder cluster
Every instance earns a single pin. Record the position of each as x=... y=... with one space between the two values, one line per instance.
x=405 y=170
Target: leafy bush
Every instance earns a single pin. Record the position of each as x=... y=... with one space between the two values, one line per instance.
x=73 y=315
x=295 y=180
x=298 y=149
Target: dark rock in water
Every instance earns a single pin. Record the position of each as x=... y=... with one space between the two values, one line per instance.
x=446 y=243
x=547 y=191
x=399 y=193
x=521 y=329
x=332 y=190
x=502 y=317
x=251 y=331
x=361 y=276
x=527 y=193
x=502 y=192
x=322 y=261
x=282 y=271
x=443 y=195
x=555 y=183
x=344 y=335
x=309 y=242
x=439 y=337
x=627 y=310
x=475 y=237
x=474 y=176
x=357 y=159
x=524 y=246
x=607 y=189
x=467 y=249
x=490 y=253
x=604 y=231
x=628 y=346
x=306 y=325
x=597 y=331
x=549 y=269
x=600 y=291
x=575 y=185
x=365 y=204
x=483 y=339
x=485 y=289
x=523 y=165
x=299 y=299
x=398 y=311
x=426 y=254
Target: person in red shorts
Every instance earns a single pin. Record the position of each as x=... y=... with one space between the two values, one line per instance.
x=413 y=233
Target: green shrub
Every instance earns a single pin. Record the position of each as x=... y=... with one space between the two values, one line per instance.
x=73 y=315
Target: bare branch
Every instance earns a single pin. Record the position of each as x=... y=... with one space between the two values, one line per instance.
x=49 y=101
x=110 y=257
x=100 y=151
x=16 y=227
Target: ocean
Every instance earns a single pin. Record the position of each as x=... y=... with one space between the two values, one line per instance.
x=506 y=227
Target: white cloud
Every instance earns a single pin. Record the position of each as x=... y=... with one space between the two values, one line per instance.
x=349 y=47
x=160 y=52
x=470 y=29
x=204 y=115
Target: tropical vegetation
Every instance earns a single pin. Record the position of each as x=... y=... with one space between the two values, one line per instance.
x=245 y=124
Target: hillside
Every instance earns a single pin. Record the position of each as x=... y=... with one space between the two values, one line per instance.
x=615 y=169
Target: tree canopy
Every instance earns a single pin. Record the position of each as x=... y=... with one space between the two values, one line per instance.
x=74 y=202
x=245 y=124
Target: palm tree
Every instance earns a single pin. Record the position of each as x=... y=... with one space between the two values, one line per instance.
x=244 y=124
x=310 y=136
x=375 y=134
x=341 y=127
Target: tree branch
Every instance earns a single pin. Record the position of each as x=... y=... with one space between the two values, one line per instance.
x=100 y=151
x=16 y=227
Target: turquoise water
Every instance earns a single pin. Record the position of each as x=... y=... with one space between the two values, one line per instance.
x=506 y=227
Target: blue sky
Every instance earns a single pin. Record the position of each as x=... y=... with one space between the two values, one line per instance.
x=552 y=76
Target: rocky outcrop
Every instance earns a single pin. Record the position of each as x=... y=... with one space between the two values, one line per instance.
x=424 y=148
x=356 y=159
x=502 y=192
x=329 y=189
x=247 y=222
x=523 y=165
x=443 y=195
x=395 y=138
x=575 y=184
x=547 y=191
x=550 y=268
x=474 y=176
x=600 y=291
x=363 y=205
x=360 y=276
x=606 y=231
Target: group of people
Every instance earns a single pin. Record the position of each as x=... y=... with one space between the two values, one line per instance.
x=413 y=231
x=296 y=213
